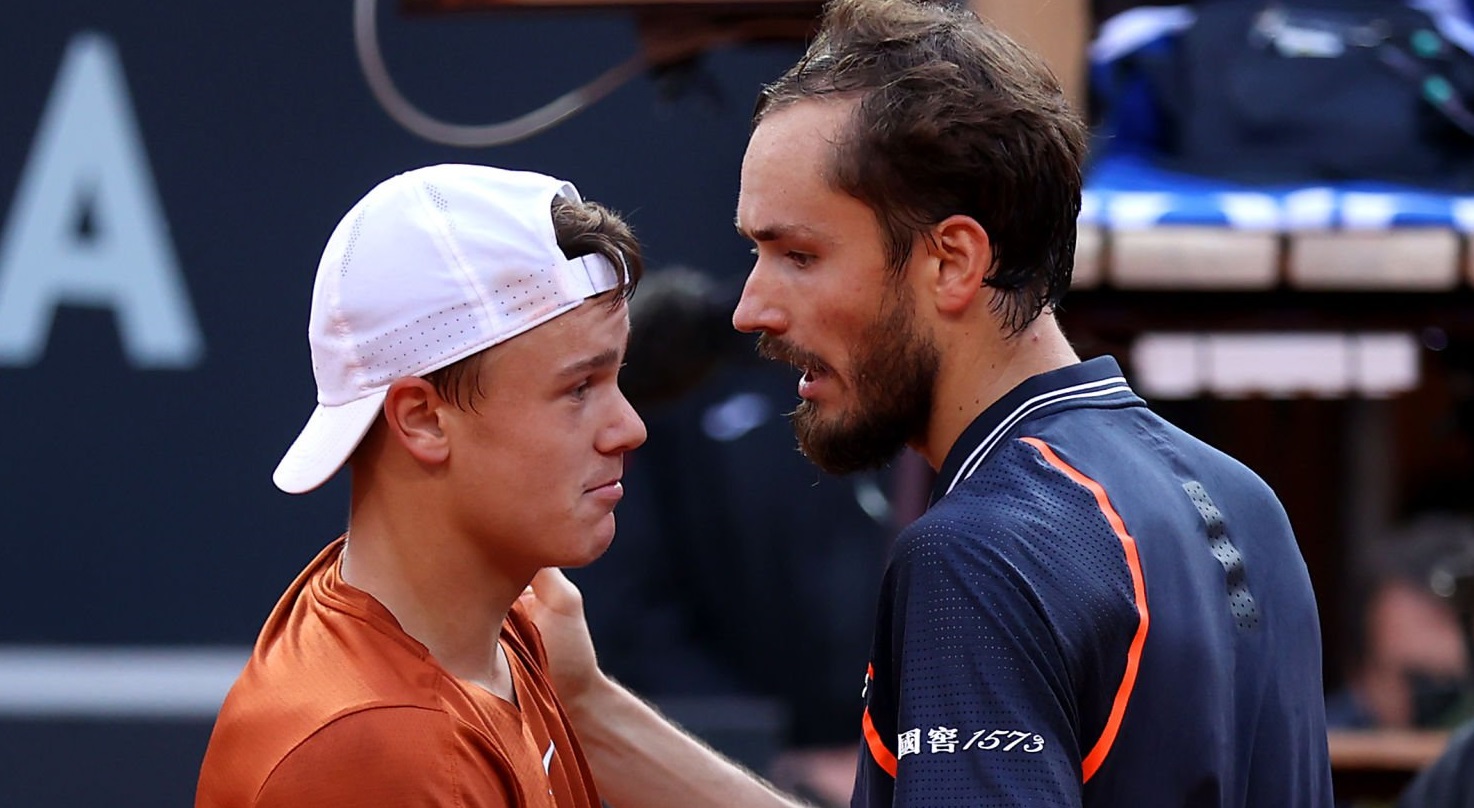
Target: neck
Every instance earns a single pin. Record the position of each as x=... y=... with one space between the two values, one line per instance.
x=977 y=373
x=441 y=591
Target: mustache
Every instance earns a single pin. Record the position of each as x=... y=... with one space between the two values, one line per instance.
x=781 y=350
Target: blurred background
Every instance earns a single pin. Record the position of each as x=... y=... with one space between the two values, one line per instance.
x=169 y=172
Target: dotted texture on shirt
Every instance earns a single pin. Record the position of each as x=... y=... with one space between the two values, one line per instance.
x=1014 y=611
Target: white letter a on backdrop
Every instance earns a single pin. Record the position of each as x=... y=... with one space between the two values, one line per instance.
x=86 y=227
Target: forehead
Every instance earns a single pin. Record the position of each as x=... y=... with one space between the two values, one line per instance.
x=802 y=130
x=785 y=179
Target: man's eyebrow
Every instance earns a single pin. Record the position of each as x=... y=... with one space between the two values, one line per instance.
x=600 y=361
x=775 y=232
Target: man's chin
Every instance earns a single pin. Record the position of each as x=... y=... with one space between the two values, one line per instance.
x=843 y=453
x=840 y=462
x=597 y=545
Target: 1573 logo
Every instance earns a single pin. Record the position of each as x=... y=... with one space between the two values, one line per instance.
x=945 y=741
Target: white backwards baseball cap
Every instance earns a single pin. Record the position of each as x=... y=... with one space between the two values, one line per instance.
x=430 y=267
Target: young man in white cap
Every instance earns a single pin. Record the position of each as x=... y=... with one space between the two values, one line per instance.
x=467 y=328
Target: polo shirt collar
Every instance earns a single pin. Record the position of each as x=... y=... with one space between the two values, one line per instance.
x=1095 y=382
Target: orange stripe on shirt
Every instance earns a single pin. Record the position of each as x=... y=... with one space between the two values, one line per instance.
x=1102 y=747
x=883 y=757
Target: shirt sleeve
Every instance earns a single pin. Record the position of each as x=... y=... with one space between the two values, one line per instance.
x=401 y=756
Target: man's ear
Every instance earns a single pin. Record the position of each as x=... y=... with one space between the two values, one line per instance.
x=412 y=414
x=964 y=255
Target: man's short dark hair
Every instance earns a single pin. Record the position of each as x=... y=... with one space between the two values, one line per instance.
x=953 y=117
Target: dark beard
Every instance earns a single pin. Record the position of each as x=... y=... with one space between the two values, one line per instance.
x=895 y=371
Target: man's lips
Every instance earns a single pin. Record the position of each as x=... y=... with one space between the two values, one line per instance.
x=606 y=484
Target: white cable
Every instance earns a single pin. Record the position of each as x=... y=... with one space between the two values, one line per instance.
x=371 y=60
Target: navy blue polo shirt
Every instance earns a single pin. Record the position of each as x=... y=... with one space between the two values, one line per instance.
x=1097 y=609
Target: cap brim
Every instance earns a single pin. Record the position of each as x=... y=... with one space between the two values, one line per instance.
x=326 y=442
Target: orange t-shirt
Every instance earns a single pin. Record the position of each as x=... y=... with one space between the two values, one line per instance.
x=339 y=707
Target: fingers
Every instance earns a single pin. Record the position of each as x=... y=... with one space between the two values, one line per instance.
x=555 y=591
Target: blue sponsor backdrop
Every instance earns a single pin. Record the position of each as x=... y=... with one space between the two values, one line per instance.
x=138 y=506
